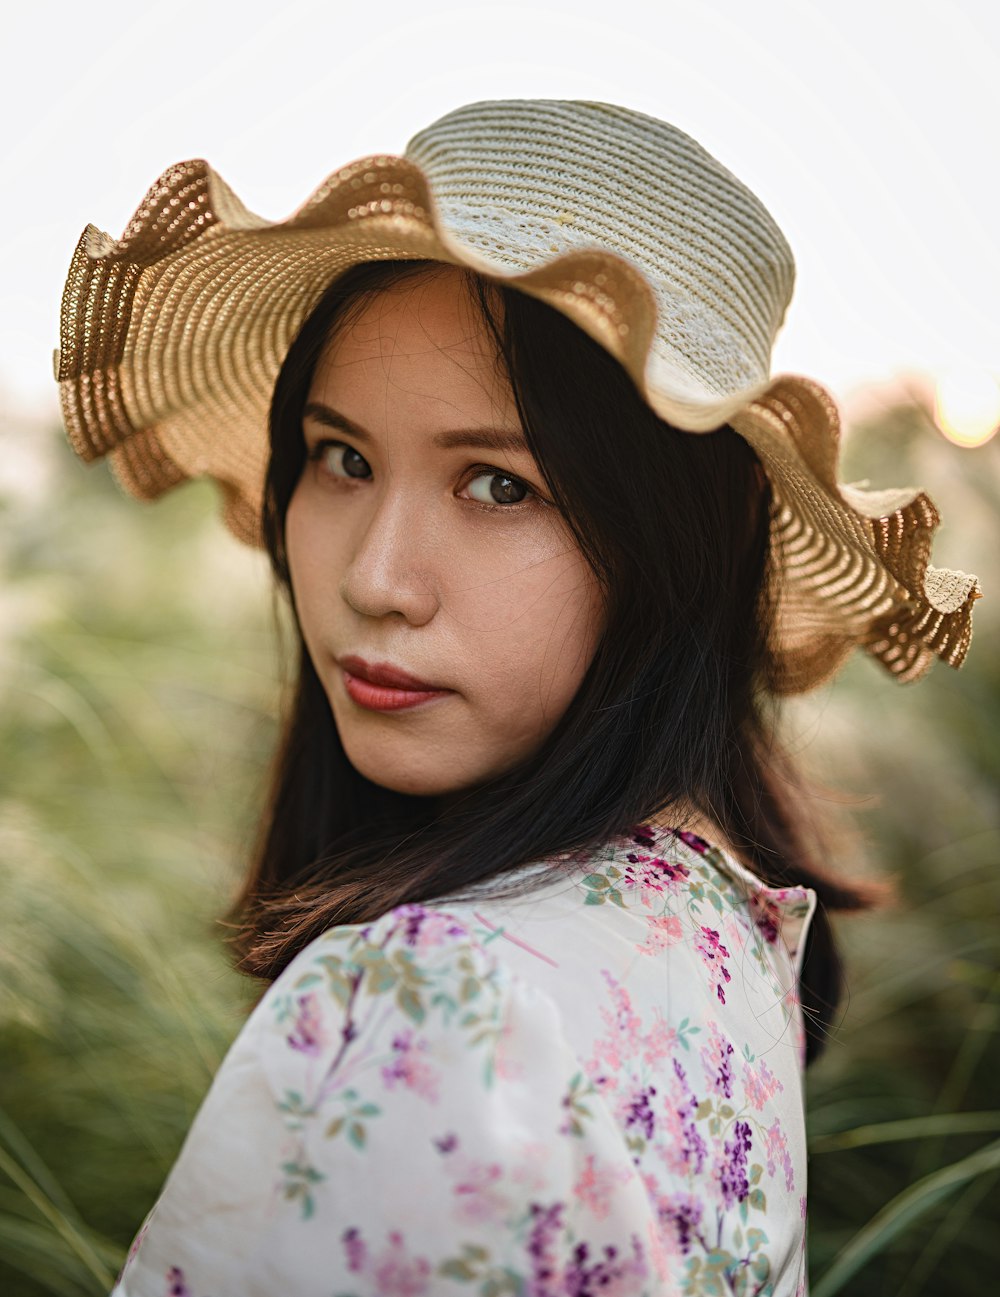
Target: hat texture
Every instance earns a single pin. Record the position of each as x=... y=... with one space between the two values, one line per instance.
x=172 y=337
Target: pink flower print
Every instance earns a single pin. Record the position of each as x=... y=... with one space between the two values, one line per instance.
x=713 y=952
x=716 y=1059
x=531 y=1167
x=656 y=1249
x=659 y=1042
x=409 y=1069
x=733 y=1170
x=398 y=1275
x=759 y=1084
x=776 y=1150
x=506 y=1065
x=478 y=1199
x=136 y=1245
x=176 y=1283
x=595 y=1187
x=623 y=1037
x=662 y=930
x=307 y=1034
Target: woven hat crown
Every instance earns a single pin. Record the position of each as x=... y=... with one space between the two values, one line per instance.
x=172 y=338
x=522 y=180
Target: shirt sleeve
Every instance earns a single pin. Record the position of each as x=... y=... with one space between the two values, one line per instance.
x=401 y=1114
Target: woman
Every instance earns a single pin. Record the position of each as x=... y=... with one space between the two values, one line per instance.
x=538 y=913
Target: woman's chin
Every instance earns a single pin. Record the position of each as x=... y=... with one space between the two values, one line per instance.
x=408 y=779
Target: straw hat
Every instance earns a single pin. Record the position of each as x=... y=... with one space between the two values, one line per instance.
x=171 y=338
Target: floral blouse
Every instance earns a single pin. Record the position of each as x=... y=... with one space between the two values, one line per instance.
x=595 y=1088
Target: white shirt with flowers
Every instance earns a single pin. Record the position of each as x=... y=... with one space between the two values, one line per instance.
x=594 y=1088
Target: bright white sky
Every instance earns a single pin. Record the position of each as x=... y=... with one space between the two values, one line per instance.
x=870 y=128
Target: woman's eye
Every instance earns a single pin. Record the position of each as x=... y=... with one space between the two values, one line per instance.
x=498 y=488
x=348 y=464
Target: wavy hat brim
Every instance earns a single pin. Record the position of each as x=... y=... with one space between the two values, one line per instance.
x=171 y=339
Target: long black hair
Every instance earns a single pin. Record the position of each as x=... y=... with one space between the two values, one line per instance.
x=675 y=709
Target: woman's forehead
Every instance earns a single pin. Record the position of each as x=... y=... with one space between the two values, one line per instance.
x=432 y=311
x=412 y=343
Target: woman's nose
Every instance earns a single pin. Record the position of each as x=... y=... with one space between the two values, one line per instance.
x=389 y=569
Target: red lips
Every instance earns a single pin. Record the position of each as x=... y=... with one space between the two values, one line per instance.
x=379 y=687
x=383 y=673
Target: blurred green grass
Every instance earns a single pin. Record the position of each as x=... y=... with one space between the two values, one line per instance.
x=139 y=682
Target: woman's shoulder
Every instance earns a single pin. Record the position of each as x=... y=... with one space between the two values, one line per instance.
x=649 y=871
x=404 y=1093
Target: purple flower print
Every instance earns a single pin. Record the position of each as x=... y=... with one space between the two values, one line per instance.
x=642 y=835
x=713 y=952
x=776 y=1148
x=423 y=927
x=176 y=1283
x=715 y=1057
x=392 y=1271
x=733 y=1173
x=694 y=1149
x=767 y=917
x=307 y=1034
x=684 y=1213
x=354 y=1248
x=409 y=1069
x=607 y=1276
x=546 y=1225
x=652 y=872
x=691 y=840
x=640 y=1113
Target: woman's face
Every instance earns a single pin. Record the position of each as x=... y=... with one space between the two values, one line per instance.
x=421 y=537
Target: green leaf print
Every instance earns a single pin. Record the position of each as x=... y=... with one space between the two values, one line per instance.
x=357 y=1133
x=409 y=1002
x=340 y=985
x=300 y=1179
x=474 y=1266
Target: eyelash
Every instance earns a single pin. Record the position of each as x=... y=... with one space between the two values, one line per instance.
x=316 y=452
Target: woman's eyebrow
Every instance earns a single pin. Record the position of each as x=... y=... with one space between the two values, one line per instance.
x=481 y=438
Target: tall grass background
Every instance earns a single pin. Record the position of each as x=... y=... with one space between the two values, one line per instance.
x=139 y=690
